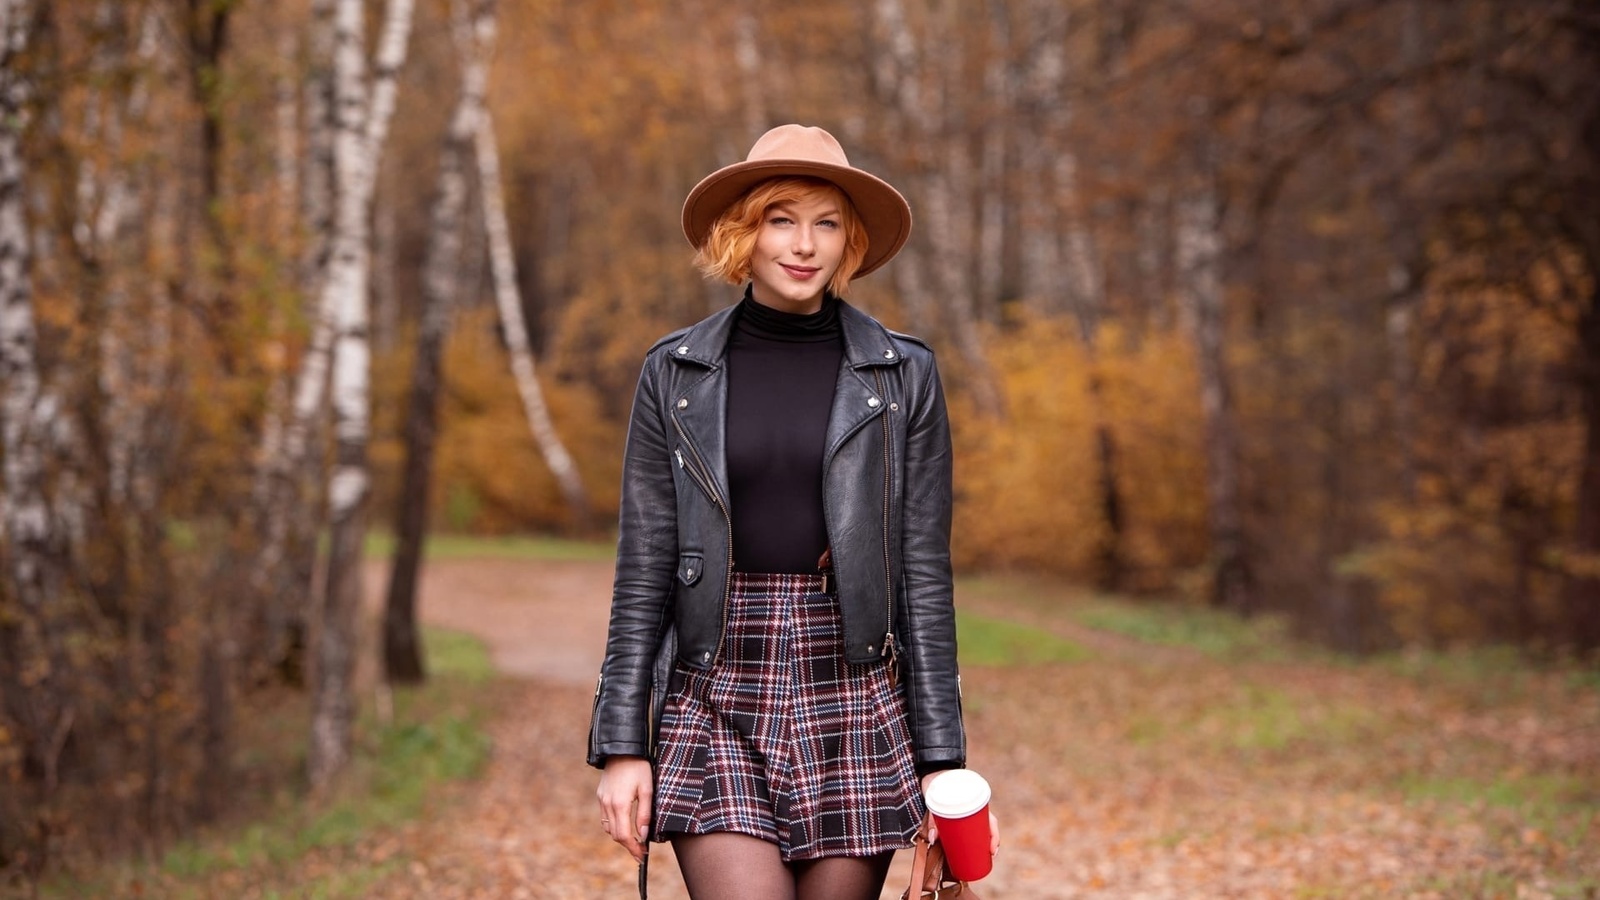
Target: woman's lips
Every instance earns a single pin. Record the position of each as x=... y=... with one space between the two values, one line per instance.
x=801 y=273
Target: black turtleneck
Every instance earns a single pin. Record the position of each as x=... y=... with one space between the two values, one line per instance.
x=782 y=368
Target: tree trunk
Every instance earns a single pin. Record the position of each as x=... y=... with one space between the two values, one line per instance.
x=920 y=82
x=363 y=121
x=441 y=286
x=1199 y=250
x=208 y=35
x=515 y=330
x=30 y=548
x=1582 y=590
x=747 y=56
x=279 y=575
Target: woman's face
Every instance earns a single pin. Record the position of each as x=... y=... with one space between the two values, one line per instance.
x=798 y=248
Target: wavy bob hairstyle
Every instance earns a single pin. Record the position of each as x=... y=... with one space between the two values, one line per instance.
x=732 y=241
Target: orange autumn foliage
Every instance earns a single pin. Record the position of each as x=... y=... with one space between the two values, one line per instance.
x=1028 y=490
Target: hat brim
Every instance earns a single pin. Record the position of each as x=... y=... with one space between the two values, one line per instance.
x=884 y=212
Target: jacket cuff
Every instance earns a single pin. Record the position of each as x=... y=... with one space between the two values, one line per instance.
x=928 y=768
x=598 y=756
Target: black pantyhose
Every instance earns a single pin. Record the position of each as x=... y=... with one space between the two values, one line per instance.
x=842 y=877
x=726 y=866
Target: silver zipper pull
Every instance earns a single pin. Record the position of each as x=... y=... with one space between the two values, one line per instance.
x=679 y=455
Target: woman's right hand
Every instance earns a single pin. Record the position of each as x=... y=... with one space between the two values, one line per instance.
x=626 y=787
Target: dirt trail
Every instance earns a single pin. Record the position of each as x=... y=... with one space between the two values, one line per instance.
x=1152 y=773
x=530 y=828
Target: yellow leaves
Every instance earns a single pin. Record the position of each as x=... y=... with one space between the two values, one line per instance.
x=489 y=474
x=1030 y=489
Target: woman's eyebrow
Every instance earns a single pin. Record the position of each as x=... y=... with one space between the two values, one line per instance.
x=830 y=212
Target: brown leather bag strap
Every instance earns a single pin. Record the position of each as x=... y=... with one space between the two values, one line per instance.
x=919 y=866
x=930 y=880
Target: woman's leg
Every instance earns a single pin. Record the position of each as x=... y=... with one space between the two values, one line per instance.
x=727 y=866
x=842 y=877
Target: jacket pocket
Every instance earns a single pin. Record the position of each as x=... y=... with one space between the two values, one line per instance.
x=690 y=567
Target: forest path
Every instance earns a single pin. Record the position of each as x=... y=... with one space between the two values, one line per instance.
x=1141 y=773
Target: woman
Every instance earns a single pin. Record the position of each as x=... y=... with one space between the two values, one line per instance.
x=784 y=534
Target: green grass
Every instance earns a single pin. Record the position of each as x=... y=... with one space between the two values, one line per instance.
x=995 y=642
x=455 y=654
x=1217 y=634
x=436 y=736
x=524 y=547
x=1519 y=791
x=1256 y=719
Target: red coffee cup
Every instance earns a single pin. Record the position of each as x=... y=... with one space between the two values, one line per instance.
x=958 y=800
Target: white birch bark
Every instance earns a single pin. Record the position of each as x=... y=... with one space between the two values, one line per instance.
x=316 y=183
x=363 y=115
x=508 y=300
x=286 y=439
x=25 y=524
x=109 y=210
x=30 y=418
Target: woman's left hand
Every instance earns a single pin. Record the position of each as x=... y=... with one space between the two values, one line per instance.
x=933 y=827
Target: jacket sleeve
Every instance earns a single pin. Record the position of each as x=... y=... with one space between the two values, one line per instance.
x=933 y=680
x=647 y=540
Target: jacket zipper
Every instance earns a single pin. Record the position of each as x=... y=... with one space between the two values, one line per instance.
x=889 y=649
x=594 y=739
x=703 y=478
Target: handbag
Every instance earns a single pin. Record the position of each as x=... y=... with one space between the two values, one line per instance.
x=930 y=880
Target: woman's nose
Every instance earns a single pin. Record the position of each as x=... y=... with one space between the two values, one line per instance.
x=802 y=241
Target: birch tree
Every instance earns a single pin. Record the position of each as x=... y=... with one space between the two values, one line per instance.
x=363 y=111
x=280 y=576
x=514 y=328
x=30 y=548
x=441 y=288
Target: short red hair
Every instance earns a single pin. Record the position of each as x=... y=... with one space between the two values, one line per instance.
x=732 y=240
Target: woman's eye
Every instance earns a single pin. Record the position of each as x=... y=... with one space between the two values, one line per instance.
x=778 y=220
x=828 y=223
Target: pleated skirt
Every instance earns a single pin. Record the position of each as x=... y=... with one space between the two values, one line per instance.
x=785 y=741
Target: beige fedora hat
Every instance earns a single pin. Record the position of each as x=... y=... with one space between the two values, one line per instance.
x=811 y=152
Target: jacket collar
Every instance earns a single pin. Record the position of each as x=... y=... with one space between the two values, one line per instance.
x=866 y=343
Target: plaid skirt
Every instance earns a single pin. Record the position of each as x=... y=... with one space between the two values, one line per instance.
x=785 y=741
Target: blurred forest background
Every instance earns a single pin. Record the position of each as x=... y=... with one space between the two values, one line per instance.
x=1283 y=307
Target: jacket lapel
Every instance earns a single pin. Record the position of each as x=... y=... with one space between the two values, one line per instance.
x=856 y=401
x=701 y=403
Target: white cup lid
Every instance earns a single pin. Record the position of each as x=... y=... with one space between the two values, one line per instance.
x=957 y=793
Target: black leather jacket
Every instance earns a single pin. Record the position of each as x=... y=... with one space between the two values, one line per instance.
x=886 y=502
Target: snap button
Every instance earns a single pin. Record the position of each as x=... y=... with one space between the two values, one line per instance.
x=683 y=350
x=873 y=402
x=706 y=656
x=683 y=403
x=888 y=354
x=894 y=406
x=871 y=649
